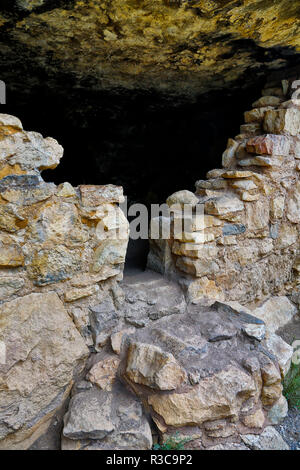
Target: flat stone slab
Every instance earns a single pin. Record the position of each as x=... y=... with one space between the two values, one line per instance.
x=106 y=420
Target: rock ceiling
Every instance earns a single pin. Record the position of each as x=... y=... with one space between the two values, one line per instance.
x=175 y=47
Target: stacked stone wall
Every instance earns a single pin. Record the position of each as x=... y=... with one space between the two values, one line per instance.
x=74 y=343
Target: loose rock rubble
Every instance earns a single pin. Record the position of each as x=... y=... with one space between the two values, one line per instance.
x=55 y=263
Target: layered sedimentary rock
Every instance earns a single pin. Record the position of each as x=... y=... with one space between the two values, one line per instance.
x=208 y=375
x=62 y=251
x=212 y=373
x=245 y=246
x=104 y=420
x=43 y=353
x=202 y=374
x=178 y=47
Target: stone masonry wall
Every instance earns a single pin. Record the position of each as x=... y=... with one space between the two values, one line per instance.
x=252 y=211
x=50 y=238
x=58 y=257
x=97 y=365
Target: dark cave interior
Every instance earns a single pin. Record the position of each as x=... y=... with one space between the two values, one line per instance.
x=152 y=145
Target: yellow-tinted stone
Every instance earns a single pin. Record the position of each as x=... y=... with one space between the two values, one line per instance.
x=161 y=44
x=11 y=170
x=11 y=256
x=75 y=294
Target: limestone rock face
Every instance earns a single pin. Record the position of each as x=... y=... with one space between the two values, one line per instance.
x=148 y=297
x=106 y=420
x=56 y=267
x=276 y=312
x=181 y=47
x=29 y=150
x=270 y=439
x=149 y=365
x=227 y=375
x=43 y=353
x=68 y=238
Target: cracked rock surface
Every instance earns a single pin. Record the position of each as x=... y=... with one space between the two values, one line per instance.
x=174 y=47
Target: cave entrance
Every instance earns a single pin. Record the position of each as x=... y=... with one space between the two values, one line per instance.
x=150 y=143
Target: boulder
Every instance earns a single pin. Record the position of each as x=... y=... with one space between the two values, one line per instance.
x=270 y=439
x=181 y=198
x=43 y=352
x=282 y=121
x=149 y=297
x=276 y=312
x=209 y=400
x=30 y=151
